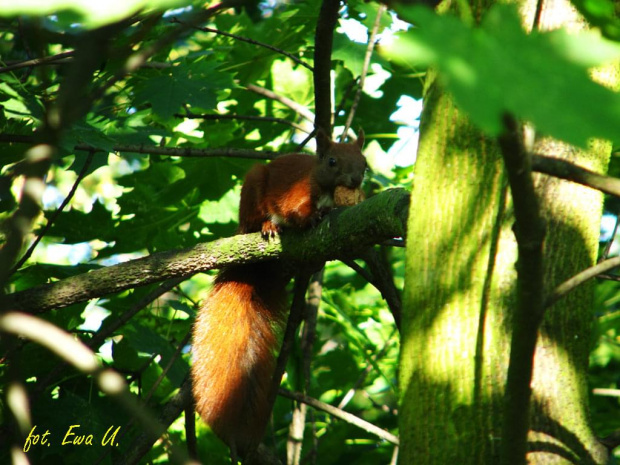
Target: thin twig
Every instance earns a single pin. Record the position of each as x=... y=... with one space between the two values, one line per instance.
x=56 y=214
x=341 y=415
x=251 y=41
x=298 y=423
x=266 y=119
x=606 y=392
x=383 y=280
x=186 y=152
x=369 y=49
x=343 y=101
x=605 y=254
x=294 y=320
x=107 y=329
x=359 y=270
x=351 y=392
x=17 y=138
x=166 y=369
x=157 y=150
x=303 y=143
x=53 y=59
x=564 y=169
x=580 y=278
x=536 y=25
x=300 y=109
x=394 y=459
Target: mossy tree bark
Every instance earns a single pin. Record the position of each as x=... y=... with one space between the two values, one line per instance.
x=460 y=293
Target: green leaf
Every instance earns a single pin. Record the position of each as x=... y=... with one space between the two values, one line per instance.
x=601 y=14
x=87 y=134
x=19 y=102
x=351 y=53
x=221 y=211
x=498 y=68
x=126 y=357
x=195 y=84
x=76 y=226
x=90 y=14
x=147 y=341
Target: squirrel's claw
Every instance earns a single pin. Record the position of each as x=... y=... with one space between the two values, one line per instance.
x=269 y=229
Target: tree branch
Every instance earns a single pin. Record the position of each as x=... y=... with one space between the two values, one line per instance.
x=383 y=281
x=566 y=170
x=323 y=43
x=580 y=278
x=295 y=316
x=529 y=230
x=369 y=367
x=369 y=49
x=605 y=253
x=250 y=41
x=342 y=415
x=265 y=119
x=53 y=59
x=185 y=152
x=308 y=336
x=300 y=109
x=344 y=233
x=156 y=150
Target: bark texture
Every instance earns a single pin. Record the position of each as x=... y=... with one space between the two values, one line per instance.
x=460 y=294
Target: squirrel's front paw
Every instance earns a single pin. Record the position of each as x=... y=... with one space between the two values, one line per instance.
x=269 y=229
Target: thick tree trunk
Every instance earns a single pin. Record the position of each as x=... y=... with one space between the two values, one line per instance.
x=454 y=347
x=459 y=296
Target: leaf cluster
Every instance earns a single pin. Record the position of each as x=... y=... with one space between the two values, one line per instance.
x=137 y=75
x=103 y=88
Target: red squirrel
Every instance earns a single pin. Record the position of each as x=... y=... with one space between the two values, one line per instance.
x=237 y=331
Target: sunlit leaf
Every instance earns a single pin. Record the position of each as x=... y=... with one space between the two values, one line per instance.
x=498 y=68
x=601 y=14
x=85 y=12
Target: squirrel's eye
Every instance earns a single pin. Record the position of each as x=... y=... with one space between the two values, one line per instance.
x=332 y=161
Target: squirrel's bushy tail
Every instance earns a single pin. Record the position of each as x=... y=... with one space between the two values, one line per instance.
x=236 y=337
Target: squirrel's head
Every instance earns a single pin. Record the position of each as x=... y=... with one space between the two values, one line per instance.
x=340 y=164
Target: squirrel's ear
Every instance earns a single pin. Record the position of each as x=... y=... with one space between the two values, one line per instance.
x=322 y=141
x=360 y=139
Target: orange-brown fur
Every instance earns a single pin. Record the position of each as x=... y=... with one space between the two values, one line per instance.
x=236 y=332
x=234 y=343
